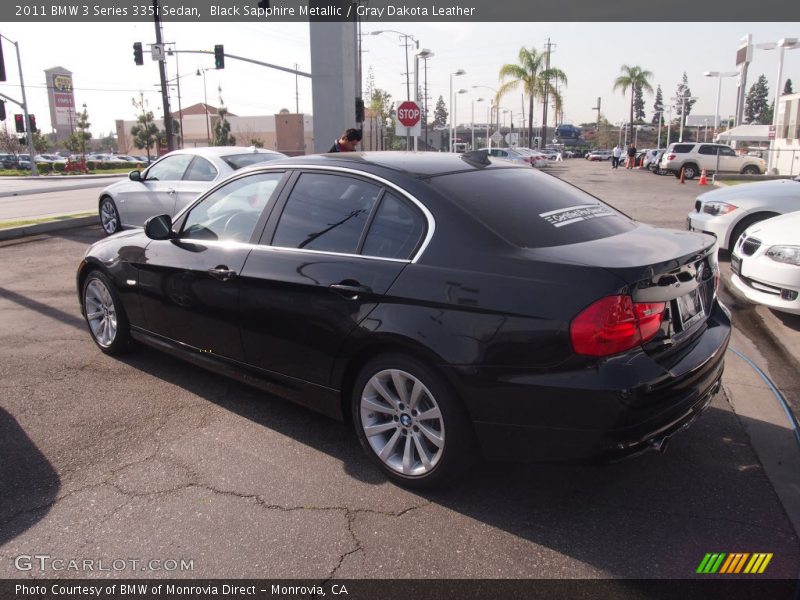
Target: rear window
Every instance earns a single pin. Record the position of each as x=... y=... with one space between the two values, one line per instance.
x=681 y=148
x=239 y=161
x=530 y=209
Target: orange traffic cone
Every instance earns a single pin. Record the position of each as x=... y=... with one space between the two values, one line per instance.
x=683 y=176
x=703 y=178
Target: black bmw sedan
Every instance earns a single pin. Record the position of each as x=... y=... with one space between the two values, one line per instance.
x=449 y=305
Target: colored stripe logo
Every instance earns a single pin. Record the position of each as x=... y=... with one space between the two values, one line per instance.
x=734 y=563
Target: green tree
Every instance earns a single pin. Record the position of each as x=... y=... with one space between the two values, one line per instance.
x=756 y=106
x=76 y=142
x=257 y=142
x=632 y=77
x=222 y=130
x=145 y=131
x=684 y=91
x=9 y=143
x=638 y=105
x=380 y=107
x=440 y=113
x=787 y=88
x=40 y=142
x=658 y=107
x=531 y=75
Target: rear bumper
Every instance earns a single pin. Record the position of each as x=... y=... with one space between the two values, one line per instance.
x=620 y=407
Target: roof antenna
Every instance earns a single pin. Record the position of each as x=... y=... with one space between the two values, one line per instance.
x=477 y=158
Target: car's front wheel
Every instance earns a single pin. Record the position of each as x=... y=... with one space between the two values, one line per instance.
x=109 y=216
x=105 y=314
x=410 y=423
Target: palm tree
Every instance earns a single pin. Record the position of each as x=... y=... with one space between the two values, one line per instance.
x=532 y=76
x=633 y=77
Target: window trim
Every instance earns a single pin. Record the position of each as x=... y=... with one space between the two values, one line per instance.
x=162 y=159
x=300 y=169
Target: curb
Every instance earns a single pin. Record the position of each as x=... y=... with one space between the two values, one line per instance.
x=13 y=233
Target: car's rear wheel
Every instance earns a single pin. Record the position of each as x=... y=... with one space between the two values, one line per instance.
x=105 y=314
x=109 y=216
x=751 y=170
x=410 y=423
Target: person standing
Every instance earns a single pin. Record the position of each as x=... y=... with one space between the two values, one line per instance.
x=616 y=153
x=631 y=156
x=348 y=141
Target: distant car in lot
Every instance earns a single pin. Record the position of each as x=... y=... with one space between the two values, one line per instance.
x=536 y=158
x=512 y=155
x=599 y=155
x=448 y=305
x=694 y=157
x=766 y=263
x=649 y=157
x=727 y=212
x=14 y=161
x=645 y=128
x=168 y=185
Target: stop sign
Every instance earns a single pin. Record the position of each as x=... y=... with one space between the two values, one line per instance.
x=408 y=113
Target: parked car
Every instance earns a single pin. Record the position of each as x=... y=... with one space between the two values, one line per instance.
x=14 y=161
x=512 y=155
x=446 y=304
x=536 y=158
x=171 y=183
x=727 y=212
x=646 y=128
x=599 y=155
x=654 y=164
x=649 y=157
x=766 y=263
x=694 y=157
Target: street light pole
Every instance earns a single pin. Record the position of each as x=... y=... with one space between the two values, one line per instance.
x=24 y=106
x=719 y=75
x=455 y=113
x=473 y=121
x=783 y=44
x=205 y=104
x=456 y=74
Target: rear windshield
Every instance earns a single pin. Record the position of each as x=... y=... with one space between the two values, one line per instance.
x=531 y=209
x=239 y=161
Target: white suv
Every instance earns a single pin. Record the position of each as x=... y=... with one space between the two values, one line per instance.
x=718 y=158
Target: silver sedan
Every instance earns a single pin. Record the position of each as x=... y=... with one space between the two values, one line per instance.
x=171 y=183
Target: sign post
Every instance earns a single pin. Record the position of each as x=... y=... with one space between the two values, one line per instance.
x=409 y=118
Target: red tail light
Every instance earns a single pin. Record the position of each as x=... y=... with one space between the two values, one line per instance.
x=615 y=324
x=670 y=157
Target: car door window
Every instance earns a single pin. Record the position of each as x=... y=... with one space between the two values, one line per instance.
x=395 y=231
x=231 y=212
x=200 y=170
x=710 y=150
x=326 y=212
x=726 y=151
x=170 y=168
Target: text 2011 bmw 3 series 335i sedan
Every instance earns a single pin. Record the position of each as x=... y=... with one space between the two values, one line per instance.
x=449 y=306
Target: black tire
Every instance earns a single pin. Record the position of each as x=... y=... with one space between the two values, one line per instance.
x=400 y=430
x=109 y=216
x=751 y=170
x=690 y=171
x=110 y=309
x=744 y=224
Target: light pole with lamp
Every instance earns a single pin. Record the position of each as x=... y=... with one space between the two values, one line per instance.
x=782 y=44
x=205 y=102
x=405 y=37
x=425 y=54
x=719 y=75
x=683 y=100
x=455 y=113
x=457 y=73
x=473 y=121
x=669 y=124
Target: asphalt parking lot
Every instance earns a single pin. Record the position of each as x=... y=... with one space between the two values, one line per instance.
x=148 y=457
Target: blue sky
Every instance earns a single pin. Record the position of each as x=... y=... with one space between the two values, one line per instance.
x=105 y=77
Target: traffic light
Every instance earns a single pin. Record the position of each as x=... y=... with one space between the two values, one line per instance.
x=19 y=123
x=32 y=123
x=219 y=56
x=2 y=110
x=2 y=63
x=137 y=53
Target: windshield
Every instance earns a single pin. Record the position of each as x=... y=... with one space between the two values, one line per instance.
x=239 y=161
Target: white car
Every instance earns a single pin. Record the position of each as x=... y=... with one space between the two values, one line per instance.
x=171 y=183
x=727 y=212
x=766 y=263
x=537 y=159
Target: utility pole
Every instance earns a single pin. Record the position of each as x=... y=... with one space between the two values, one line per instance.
x=24 y=106
x=162 y=71
x=597 y=108
x=543 y=138
x=296 y=91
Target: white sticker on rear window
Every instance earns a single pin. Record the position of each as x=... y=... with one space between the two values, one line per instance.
x=575 y=214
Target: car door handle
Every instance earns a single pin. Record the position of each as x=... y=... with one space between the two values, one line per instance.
x=171 y=191
x=351 y=289
x=222 y=273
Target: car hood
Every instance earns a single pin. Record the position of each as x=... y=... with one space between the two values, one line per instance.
x=759 y=191
x=117 y=184
x=784 y=229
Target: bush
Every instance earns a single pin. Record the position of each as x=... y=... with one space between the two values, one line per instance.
x=59 y=167
x=44 y=167
x=91 y=165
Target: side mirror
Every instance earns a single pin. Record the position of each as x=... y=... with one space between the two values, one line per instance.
x=158 y=228
x=135 y=176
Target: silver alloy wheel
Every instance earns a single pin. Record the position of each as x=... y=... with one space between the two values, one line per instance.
x=402 y=422
x=100 y=312
x=109 y=217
